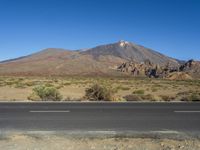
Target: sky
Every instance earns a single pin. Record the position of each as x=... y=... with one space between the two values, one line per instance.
x=171 y=27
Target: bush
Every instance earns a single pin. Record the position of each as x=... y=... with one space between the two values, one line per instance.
x=195 y=97
x=189 y=95
x=123 y=88
x=30 y=83
x=140 y=92
x=192 y=97
x=20 y=85
x=149 y=97
x=99 y=93
x=34 y=97
x=166 y=98
x=154 y=89
x=45 y=93
x=132 y=98
x=9 y=83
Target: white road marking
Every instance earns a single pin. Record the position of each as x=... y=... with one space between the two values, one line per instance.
x=187 y=111
x=49 y=111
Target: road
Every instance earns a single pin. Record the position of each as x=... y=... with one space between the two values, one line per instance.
x=100 y=116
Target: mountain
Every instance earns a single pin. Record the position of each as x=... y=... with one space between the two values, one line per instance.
x=100 y=60
x=127 y=50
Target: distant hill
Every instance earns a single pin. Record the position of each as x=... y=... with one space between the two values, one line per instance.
x=100 y=60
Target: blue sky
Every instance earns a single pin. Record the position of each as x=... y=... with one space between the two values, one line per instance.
x=171 y=27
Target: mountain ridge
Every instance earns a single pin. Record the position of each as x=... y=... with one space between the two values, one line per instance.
x=128 y=50
x=102 y=59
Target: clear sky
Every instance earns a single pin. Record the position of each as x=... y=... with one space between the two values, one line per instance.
x=171 y=27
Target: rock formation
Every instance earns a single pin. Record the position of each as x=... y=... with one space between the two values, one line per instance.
x=190 y=68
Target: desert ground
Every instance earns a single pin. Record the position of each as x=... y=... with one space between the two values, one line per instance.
x=63 y=142
x=125 y=88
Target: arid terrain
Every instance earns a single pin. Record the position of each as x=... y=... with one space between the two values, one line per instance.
x=100 y=75
x=124 y=88
x=61 y=142
x=121 y=71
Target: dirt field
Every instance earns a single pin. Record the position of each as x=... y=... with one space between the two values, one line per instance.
x=56 y=142
x=127 y=89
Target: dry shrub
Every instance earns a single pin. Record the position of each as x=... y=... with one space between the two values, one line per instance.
x=166 y=98
x=148 y=97
x=192 y=97
x=140 y=92
x=98 y=92
x=132 y=97
x=123 y=88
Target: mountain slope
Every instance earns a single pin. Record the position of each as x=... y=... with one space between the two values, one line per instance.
x=101 y=60
x=127 y=50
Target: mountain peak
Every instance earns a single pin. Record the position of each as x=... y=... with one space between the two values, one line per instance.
x=123 y=43
x=128 y=51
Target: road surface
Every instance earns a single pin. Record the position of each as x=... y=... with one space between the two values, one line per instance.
x=183 y=117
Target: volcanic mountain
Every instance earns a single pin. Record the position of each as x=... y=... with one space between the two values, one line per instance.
x=100 y=60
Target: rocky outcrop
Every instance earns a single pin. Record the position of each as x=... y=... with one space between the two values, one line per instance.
x=151 y=70
x=191 y=66
x=146 y=68
x=135 y=68
x=179 y=76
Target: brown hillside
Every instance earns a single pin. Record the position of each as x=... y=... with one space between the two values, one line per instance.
x=101 y=60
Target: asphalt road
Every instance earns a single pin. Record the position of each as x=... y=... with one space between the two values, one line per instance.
x=100 y=116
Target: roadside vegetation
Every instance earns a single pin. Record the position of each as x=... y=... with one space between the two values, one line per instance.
x=97 y=92
x=98 y=88
x=45 y=93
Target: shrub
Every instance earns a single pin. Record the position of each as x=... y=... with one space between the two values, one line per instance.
x=30 y=83
x=9 y=83
x=140 y=92
x=34 y=97
x=45 y=93
x=192 y=97
x=49 y=85
x=132 y=98
x=154 y=89
x=20 y=85
x=195 y=97
x=98 y=92
x=189 y=96
x=148 y=97
x=20 y=79
x=67 y=83
x=123 y=88
x=59 y=86
x=2 y=84
x=166 y=98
